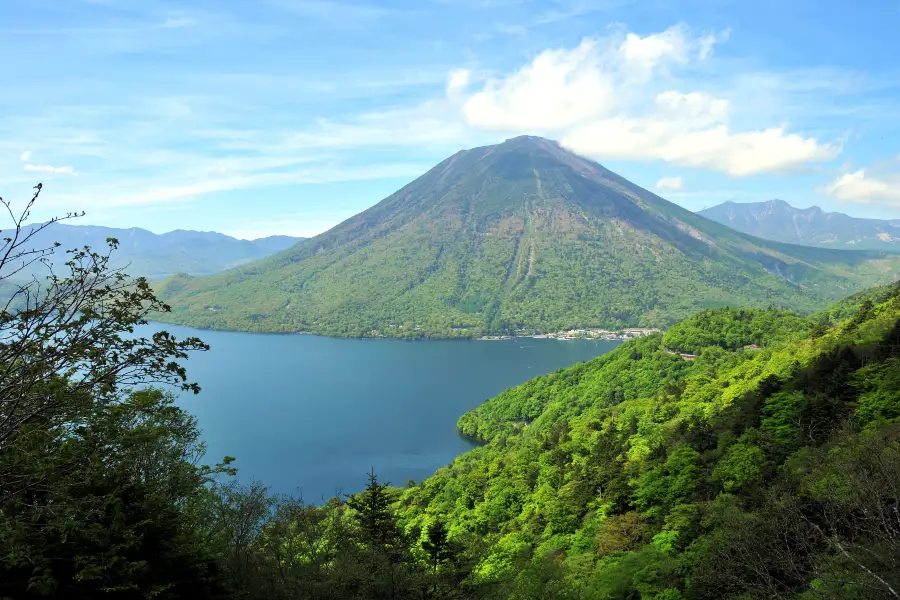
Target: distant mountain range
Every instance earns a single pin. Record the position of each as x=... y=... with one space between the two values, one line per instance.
x=777 y=220
x=156 y=256
x=521 y=236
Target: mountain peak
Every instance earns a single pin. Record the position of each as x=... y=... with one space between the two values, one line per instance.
x=527 y=154
x=523 y=138
x=777 y=202
x=531 y=144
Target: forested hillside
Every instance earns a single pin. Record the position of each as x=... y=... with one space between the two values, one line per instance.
x=741 y=474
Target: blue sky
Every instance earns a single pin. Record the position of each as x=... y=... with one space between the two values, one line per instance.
x=257 y=117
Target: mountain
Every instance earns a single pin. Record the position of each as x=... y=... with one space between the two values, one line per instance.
x=158 y=256
x=275 y=243
x=777 y=220
x=523 y=235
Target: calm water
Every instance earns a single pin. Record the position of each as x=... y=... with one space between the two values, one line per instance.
x=311 y=414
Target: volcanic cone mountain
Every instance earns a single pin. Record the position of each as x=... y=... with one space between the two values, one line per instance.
x=520 y=236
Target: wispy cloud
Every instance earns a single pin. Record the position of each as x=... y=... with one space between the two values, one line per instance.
x=50 y=169
x=178 y=23
x=558 y=12
x=125 y=192
x=334 y=12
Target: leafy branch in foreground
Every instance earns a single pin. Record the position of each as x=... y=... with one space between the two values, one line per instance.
x=78 y=330
x=97 y=470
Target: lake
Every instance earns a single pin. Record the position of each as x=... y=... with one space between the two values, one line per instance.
x=311 y=415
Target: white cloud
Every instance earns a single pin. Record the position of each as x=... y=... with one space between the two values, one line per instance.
x=642 y=56
x=708 y=42
x=50 y=169
x=563 y=87
x=458 y=80
x=717 y=148
x=698 y=107
x=25 y=156
x=603 y=98
x=557 y=89
x=673 y=184
x=862 y=188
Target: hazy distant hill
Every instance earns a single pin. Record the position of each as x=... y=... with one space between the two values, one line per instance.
x=521 y=235
x=777 y=220
x=161 y=255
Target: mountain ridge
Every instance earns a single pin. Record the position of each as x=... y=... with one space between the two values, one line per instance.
x=777 y=220
x=522 y=235
x=154 y=255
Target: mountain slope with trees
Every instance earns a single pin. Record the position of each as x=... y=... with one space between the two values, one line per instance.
x=520 y=236
x=779 y=221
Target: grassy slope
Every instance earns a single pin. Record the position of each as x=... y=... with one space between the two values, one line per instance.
x=520 y=235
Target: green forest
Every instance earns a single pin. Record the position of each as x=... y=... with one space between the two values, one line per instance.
x=745 y=473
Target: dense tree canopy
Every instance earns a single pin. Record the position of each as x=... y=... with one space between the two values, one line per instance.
x=736 y=475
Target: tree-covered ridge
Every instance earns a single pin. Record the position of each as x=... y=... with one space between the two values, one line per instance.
x=613 y=377
x=734 y=328
x=523 y=235
x=847 y=307
x=618 y=376
x=731 y=476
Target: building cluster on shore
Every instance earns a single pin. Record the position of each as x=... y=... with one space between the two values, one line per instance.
x=599 y=334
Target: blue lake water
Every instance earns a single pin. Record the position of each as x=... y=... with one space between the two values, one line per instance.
x=311 y=415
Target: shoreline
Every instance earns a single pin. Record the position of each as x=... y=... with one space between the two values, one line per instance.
x=581 y=335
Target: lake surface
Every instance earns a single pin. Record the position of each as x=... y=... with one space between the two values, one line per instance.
x=311 y=415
